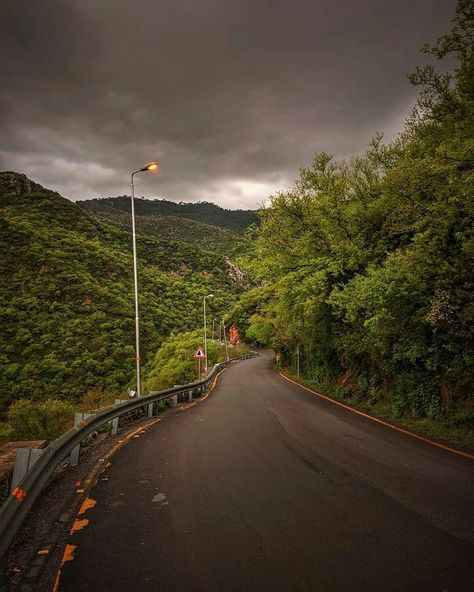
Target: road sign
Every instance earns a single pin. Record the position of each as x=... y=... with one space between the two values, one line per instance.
x=199 y=353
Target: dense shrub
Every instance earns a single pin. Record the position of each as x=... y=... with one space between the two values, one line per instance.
x=46 y=420
x=174 y=363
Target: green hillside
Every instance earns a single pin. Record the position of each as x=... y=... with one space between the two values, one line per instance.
x=66 y=305
x=204 y=236
x=235 y=220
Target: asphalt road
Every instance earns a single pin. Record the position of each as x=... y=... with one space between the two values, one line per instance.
x=266 y=487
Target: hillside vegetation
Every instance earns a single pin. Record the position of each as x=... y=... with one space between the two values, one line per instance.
x=66 y=307
x=208 y=213
x=368 y=264
x=203 y=236
x=174 y=363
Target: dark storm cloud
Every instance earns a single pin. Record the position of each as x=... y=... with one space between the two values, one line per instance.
x=231 y=96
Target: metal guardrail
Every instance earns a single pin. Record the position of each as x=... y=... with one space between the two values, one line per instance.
x=17 y=506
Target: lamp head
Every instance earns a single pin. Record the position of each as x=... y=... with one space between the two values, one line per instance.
x=151 y=166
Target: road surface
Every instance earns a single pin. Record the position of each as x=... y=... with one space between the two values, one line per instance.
x=266 y=487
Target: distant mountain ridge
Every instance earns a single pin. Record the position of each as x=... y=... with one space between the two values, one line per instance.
x=206 y=212
x=200 y=234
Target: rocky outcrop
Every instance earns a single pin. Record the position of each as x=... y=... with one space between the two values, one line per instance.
x=235 y=273
x=12 y=183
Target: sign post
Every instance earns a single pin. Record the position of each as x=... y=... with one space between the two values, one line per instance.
x=199 y=355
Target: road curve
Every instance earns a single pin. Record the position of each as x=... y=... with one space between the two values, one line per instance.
x=266 y=487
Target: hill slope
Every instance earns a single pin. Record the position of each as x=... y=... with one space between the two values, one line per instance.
x=66 y=307
x=208 y=213
x=205 y=236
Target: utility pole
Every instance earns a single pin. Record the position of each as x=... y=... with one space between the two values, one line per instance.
x=205 y=332
x=298 y=361
x=225 y=341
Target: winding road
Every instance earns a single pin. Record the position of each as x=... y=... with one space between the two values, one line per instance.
x=265 y=486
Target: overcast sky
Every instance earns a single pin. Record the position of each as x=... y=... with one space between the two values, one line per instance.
x=230 y=96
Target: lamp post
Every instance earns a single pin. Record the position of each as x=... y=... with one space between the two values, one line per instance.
x=151 y=166
x=205 y=332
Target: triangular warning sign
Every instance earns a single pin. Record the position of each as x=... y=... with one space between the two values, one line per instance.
x=199 y=353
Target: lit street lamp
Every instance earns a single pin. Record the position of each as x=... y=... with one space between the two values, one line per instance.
x=205 y=333
x=151 y=166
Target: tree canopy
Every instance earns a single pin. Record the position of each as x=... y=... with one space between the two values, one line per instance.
x=367 y=263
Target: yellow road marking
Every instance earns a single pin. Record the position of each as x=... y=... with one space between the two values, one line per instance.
x=79 y=524
x=90 y=503
x=67 y=556
x=87 y=504
x=388 y=425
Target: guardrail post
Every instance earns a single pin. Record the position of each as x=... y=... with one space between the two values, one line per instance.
x=114 y=429
x=25 y=459
x=190 y=396
x=150 y=410
x=174 y=401
x=115 y=422
x=74 y=456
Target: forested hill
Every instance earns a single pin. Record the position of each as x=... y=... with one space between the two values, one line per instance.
x=67 y=295
x=204 y=236
x=206 y=212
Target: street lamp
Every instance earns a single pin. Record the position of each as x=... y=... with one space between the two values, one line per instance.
x=151 y=166
x=205 y=332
